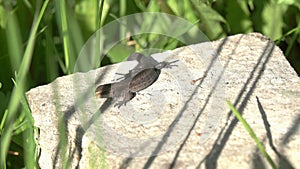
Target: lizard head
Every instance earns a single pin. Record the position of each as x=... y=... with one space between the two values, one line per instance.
x=135 y=56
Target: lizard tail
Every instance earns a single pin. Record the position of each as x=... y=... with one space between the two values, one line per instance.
x=103 y=91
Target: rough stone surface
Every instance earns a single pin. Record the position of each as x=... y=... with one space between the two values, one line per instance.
x=184 y=125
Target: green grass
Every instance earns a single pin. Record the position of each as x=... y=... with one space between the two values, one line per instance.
x=252 y=134
x=17 y=100
x=40 y=41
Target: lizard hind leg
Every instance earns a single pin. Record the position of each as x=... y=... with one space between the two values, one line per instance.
x=128 y=96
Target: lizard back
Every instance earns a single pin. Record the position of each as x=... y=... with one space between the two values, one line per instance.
x=144 y=79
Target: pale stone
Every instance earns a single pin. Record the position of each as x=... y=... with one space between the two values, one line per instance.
x=257 y=79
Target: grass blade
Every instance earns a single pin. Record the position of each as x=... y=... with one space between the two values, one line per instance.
x=252 y=134
x=18 y=90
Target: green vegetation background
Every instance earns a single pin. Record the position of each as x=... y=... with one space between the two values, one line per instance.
x=40 y=41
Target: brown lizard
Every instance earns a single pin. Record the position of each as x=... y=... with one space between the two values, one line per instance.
x=142 y=76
